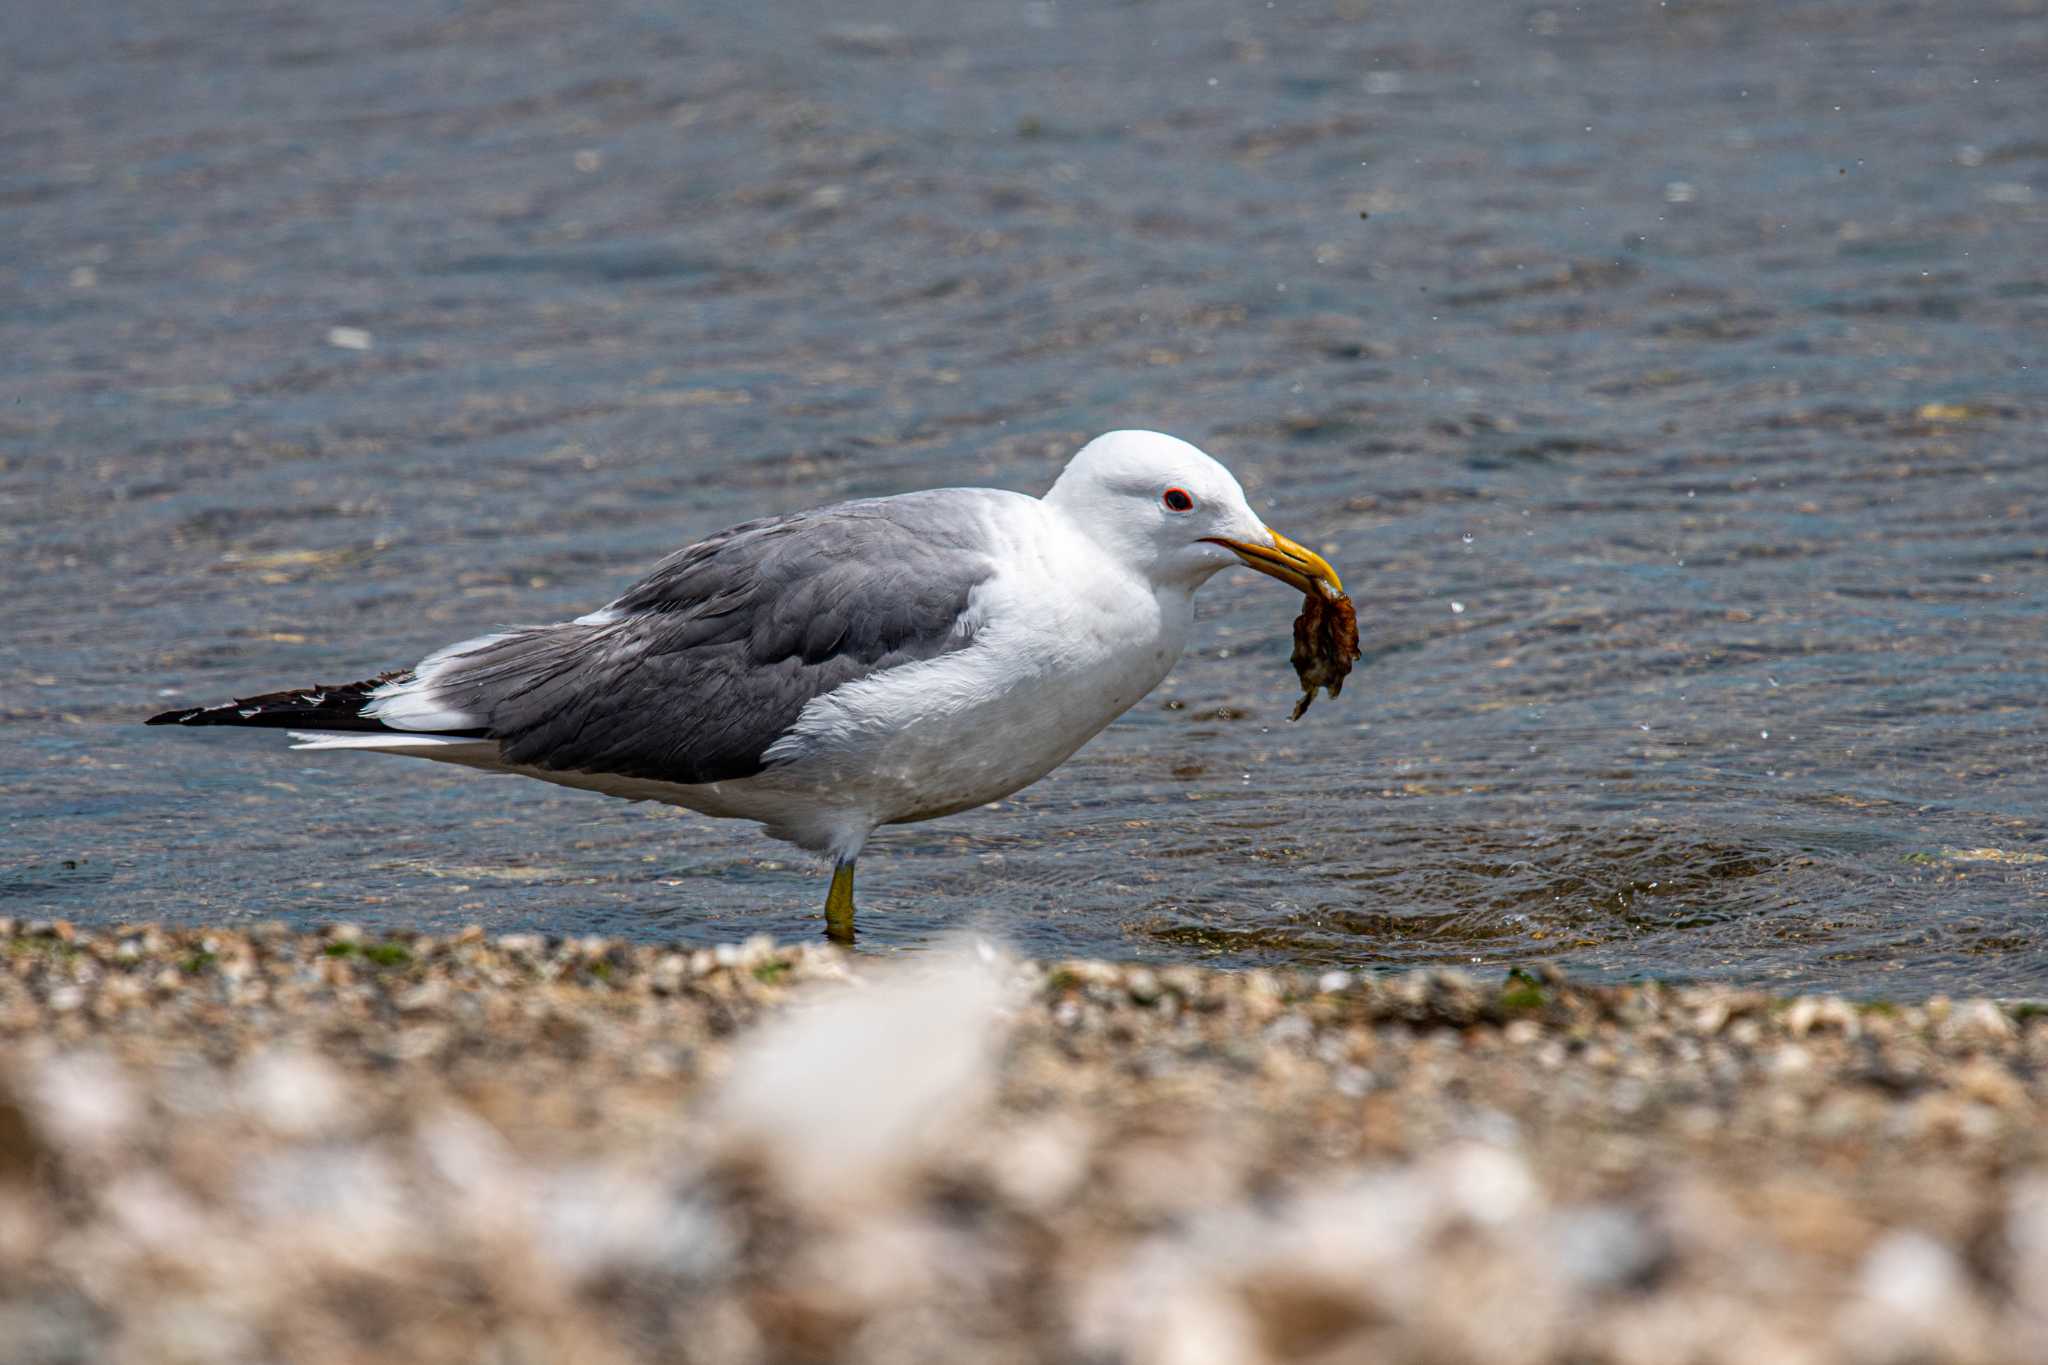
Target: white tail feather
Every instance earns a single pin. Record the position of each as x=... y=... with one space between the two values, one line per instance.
x=351 y=739
x=415 y=703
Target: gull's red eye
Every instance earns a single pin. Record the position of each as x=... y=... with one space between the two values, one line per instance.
x=1177 y=500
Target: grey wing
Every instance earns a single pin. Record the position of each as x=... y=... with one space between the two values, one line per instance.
x=699 y=668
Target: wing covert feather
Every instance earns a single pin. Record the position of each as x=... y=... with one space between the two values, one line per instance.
x=696 y=670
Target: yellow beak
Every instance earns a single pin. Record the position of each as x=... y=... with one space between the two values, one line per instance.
x=1296 y=565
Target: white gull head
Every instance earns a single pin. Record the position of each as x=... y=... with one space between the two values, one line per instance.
x=1173 y=514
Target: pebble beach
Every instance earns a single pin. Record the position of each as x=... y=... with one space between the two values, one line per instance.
x=335 y=1146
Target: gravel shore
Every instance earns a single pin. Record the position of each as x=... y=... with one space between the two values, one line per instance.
x=274 y=1146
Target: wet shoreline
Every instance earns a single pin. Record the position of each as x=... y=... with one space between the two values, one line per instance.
x=583 y=1148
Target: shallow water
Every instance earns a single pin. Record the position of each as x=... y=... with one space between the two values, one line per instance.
x=1665 y=381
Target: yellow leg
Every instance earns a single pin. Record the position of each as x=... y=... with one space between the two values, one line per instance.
x=839 y=906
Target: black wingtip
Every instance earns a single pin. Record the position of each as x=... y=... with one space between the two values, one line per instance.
x=324 y=706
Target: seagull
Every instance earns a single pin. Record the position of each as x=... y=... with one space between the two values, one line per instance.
x=829 y=672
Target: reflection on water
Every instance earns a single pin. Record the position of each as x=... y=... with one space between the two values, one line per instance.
x=1666 y=388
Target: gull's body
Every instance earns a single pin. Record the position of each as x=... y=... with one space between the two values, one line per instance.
x=872 y=663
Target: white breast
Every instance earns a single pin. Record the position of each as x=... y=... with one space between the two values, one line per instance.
x=1066 y=639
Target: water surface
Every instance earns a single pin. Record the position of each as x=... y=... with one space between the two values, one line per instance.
x=1665 y=380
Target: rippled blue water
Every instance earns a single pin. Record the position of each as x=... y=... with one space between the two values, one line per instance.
x=1666 y=380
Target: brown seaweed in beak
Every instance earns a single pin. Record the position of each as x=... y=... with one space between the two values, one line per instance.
x=1325 y=645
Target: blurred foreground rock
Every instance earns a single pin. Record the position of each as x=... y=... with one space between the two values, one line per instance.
x=270 y=1146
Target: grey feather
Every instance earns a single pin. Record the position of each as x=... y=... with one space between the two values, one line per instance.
x=708 y=660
